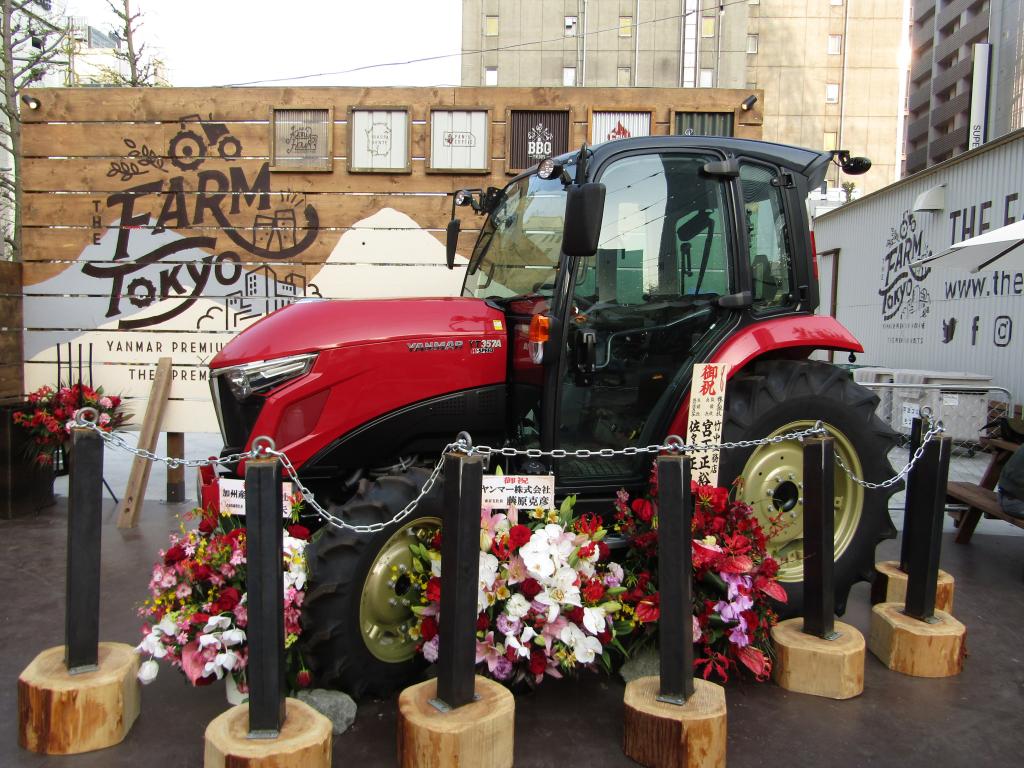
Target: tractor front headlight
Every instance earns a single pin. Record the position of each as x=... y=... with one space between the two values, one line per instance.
x=264 y=375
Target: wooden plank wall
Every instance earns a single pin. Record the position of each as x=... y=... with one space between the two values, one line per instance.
x=128 y=257
x=11 y=386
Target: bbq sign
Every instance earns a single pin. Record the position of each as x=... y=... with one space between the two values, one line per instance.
x=534 y=135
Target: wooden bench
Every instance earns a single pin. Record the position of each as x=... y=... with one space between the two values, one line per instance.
x=979 y=501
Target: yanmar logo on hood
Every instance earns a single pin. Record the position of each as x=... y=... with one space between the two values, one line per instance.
x=433 y=346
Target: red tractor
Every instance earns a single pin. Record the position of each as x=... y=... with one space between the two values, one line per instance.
x=599 y=278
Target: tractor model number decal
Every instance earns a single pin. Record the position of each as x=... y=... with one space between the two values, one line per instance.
x=483 y=346
x=433 y=346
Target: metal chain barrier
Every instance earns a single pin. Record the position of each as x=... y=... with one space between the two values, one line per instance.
x=938 y=429
x=264 y=446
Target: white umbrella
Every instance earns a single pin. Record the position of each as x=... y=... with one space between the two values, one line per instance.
x=979 y=252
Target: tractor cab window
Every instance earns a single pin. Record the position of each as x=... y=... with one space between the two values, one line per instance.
x=518 y=248
x=769 y=256
x=644 y=303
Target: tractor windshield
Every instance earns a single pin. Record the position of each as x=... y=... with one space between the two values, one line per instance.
x=518 y=249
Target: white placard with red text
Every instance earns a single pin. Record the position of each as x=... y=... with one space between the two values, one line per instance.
x=232 y=496
x=704 y=423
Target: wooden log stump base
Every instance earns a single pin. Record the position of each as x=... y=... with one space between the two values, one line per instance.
x=477 y=735
x=890 y=586
x=807 y=664
x=916 y=647
x=663 y=735
x=64 y=714
x=305 y=740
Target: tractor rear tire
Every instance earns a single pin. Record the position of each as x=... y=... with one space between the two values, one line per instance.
x=354 y=619
x=779 y=396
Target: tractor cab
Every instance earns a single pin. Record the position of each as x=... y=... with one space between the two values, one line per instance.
x=620 y=266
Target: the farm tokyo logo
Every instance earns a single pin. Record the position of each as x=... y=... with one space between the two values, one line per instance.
x=301 y=138
x=138 y=281
x=378 y=139
x=904 y=298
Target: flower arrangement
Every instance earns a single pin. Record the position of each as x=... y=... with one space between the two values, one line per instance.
x=733 y=579
x=547 y=595
x=197 y=613
x=52 y=413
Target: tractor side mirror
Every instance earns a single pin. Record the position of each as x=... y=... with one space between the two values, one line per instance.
x=452 y=241
x=584 y=209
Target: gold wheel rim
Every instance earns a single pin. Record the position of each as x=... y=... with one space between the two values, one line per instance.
x=774 y=487
x=385 y=605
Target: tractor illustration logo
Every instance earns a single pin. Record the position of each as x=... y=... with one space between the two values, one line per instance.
x=189 y=148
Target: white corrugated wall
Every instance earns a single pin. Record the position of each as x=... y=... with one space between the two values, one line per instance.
x=937 y=319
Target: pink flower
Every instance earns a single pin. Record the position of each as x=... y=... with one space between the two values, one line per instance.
x=192 y=662
x=105 y=403
x=104 y=419
x=430 y=650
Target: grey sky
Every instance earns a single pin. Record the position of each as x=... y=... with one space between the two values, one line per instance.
x=221 y=42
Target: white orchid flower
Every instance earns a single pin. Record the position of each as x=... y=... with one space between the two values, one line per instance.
x=212 y=667
x=215 y=623
x=584 y=647
x=233 y=636
x=536 y=554
x=151 y=644
x=166 y=627
x=205 y=641
x=594 y=620
x=227 y=660
x=148 y=671
x=521 y=649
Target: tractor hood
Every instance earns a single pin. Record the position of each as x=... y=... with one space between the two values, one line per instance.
x=317 y=326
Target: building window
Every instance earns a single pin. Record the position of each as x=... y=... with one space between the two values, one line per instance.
x=835 y=45
x=832 y=93
x=568 y=75
x=491 y=76
x=830 y=141
x=625 y=26
x=570 y=25
x=751 y=43
x=490 y=26
x=706 y=78
x=623 y=77
x=707 y=26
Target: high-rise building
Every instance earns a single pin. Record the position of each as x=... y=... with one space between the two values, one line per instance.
x=966 y=77
x=830 y=70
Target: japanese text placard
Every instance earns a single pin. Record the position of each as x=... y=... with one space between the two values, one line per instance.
x=704 y=423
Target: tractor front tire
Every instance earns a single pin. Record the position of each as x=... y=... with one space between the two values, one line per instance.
x=357 y=610
x=779 y=396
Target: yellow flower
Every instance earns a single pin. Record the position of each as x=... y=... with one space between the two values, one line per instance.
x=709 y=540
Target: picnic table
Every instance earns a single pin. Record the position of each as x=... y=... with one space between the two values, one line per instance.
x=980 y=498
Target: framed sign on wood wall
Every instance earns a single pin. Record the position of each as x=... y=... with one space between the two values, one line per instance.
x=301 y=139
x=378 y=140
x=534 y=134
x=608 y=124
x=460 y=141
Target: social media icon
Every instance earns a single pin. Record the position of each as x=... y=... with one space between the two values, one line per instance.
x=1002 y=331
x=948 y=330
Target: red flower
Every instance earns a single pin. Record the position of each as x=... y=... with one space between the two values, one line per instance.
x=228 y=599
x=434 y=589
x=500 y=548
x=648 y=610
x=208 y=524
x=298 y=532
x=538 y=663
x=588 y=523
x=483 y=621
x=200 y=618
x=304 y=679
x=518 y=535
x=174 y=554
x=769 y=567
x=754 y=660
x=530 y=588
x=587 y=551
x=603 y=551
x=201 y=572
x=428 y=628
x=644 y=509
x=575 y=615
x=593 y=591
x=605 y=637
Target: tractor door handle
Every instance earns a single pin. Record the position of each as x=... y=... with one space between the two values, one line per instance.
x=586 y=356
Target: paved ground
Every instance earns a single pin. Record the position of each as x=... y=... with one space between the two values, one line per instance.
x=970 y=719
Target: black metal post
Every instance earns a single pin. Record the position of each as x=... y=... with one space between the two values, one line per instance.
x=819 y=538
x=916 y=430
x=675 y=575
x=460 y=564
x=928 y=481
x=265 y=587
x=85 y=498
